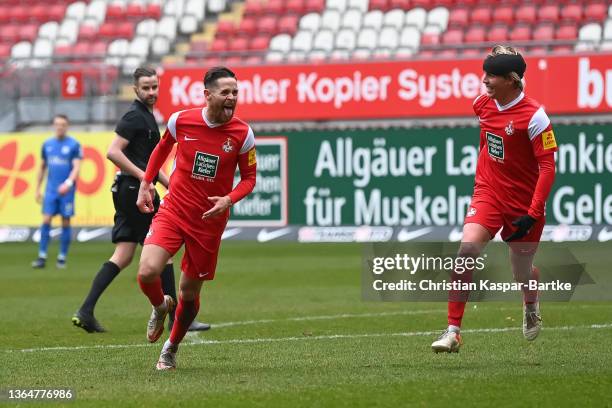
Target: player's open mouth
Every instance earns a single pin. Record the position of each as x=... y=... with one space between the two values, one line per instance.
x=229 y=111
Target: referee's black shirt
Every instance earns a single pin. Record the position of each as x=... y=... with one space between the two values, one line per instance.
x=138 y=125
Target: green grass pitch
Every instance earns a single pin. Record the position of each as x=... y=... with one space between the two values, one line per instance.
x=291 y=330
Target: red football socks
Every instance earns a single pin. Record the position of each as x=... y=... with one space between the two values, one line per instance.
x=186 y=312
x=153 y=291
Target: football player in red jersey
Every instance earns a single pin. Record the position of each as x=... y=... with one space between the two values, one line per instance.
x=211 y=142
x=514 y=176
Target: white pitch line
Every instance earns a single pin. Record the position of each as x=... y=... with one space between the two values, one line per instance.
x=310 y=338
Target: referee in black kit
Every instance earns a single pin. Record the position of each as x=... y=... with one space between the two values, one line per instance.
x=136 y=135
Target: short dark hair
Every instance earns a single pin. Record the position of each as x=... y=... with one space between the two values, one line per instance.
x=215 y=73
x=61 y=116
x=143 y=72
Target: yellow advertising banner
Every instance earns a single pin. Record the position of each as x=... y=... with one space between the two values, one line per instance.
x=20 y=161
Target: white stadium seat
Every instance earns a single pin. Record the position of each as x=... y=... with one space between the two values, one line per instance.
x=394 y=18
x=416 y=17
x=216 y=6
x=76 y=11
x=196 y=8
x=323 y=40
x=410 y=37
x=607 y=31
x=361 y=5
x=373 y=19
x=331 y=20
x=339 y=5
x=346 y=39
x=310 y=22
x=438 y=16
x=146 y=28
x=96 y=10
x=367 y=39
x=280 y=42
x=160 y=46
x=21 y=50
x=139 y=47
x=302 y=41
x=69 y=30
x=48 y=30
x=388 y=38
x=43 y=48
x=352 y=19
x=275 y=56
x=166 y=27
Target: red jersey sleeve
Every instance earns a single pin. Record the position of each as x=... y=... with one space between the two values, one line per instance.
x=159 y=156
x=247 y=164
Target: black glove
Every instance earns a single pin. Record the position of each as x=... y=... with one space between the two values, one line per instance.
x=524 y=224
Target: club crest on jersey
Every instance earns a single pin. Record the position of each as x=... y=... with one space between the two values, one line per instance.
x=510 y=129
x=227 y=146
x=65 y=149
x=471 y=212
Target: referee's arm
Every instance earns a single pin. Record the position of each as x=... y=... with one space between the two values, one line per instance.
x=116 y=155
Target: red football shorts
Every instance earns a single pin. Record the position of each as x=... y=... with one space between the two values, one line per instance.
x=490 y=216
x=201 y=243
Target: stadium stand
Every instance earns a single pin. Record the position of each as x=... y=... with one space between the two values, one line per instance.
x=107 y=39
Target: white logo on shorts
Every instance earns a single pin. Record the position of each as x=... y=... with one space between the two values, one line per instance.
x=471 y=212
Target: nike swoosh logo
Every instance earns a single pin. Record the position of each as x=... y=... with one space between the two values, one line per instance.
x=264 y=235
x=455 y=235
x=230 y=233
x=405 y=235
x=187 y=138
x=201 y=275
x=52 y=234
x=604 y=235
x=85 y=235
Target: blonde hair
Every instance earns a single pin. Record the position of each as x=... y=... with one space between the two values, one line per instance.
x=508 y=50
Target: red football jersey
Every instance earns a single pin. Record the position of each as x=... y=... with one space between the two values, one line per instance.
x=206 y=159
x=511 y=139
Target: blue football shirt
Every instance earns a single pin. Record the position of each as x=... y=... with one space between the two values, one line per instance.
x=59 y=154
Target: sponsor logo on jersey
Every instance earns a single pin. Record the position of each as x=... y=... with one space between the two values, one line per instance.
x=227 y=146
x=252 y=157
x=510 y=129
x=205 y=165
x=495 y=146
x=65 y=149
x=548 y=140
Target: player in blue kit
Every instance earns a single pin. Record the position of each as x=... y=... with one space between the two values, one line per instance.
x=61 y=160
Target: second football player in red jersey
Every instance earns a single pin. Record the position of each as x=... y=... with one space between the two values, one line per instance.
x=211 y=143
x=514 y=176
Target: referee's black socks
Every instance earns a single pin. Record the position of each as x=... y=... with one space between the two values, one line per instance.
x=104 y=277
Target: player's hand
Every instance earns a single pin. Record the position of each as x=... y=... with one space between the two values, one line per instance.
x=63 y=189
x=38 y=197
x=221 y=204
x=146 y=194
x=523 y=224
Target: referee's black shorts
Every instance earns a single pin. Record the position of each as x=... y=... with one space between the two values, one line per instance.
x=130 y=224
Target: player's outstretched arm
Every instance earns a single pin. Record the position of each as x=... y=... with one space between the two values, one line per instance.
x=247 y=164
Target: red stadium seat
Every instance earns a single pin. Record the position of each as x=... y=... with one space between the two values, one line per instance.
x=498 y=33
x=28 y=32
x=9 y=33
x=114 y=12
x=504 y=14
x=275 y=7
x=81 y=49
x=57 y=12
x=544 y=32
x=135 y=11
x=4 y=14
x=458 y=17
x=248 y=26
x=525 y=14
x=154 y=11
x=430 y=39
x=63 y=51
x=39 y=13
x=268 y=24
x=254 y=9
x=471 y=52
x=260 y=43
x=87 y=33
x=563 y=49
x=238 y=44
x=567 y=32
x=125 y=30
x=98 y=48
x=380 y=5
x=452 y=36
x=252 y=60
x=5 y=50
x=481 y=15
x=571 y=12
x=219 y=45
x=549 y=13
x=521 y=33
x=296 y=7
x=107 y=31
x=315 y=6
x=288 y=24
x=225 y=28
x=405 y=4
x=448 y=53
x=475 y=34
x=233 y=61
x=595 y=12
x=19 y=14
x=426 y=54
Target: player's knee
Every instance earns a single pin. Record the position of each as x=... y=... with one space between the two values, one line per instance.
x=469 y=250
x=149 y=270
